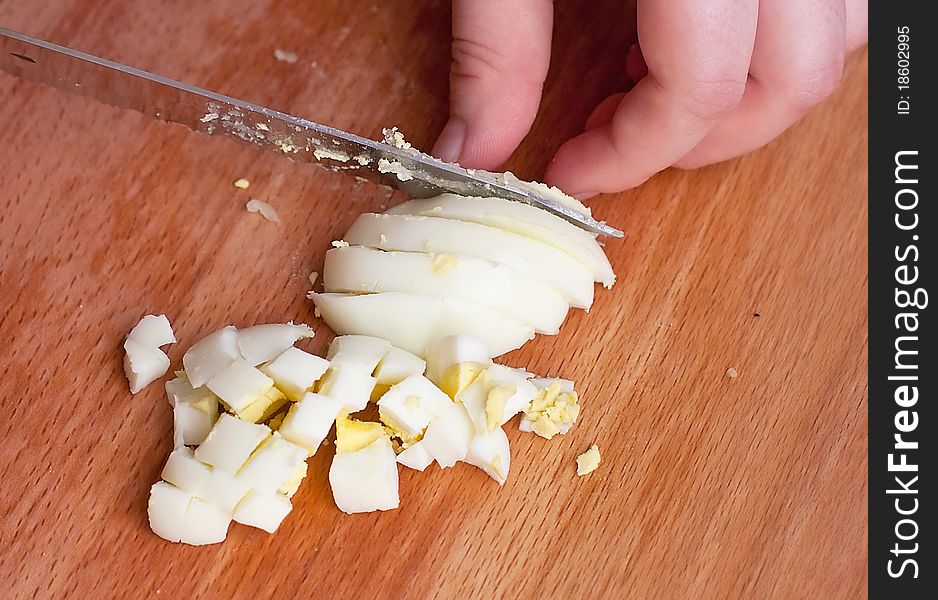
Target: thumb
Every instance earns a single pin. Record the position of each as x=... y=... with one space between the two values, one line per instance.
x=501 y=52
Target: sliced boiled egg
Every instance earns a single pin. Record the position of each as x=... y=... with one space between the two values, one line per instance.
x=519 y=218
x=355 y=269
x=441 y=236
x=413 y=322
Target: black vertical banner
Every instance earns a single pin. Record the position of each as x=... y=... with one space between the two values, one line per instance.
x=903 y=370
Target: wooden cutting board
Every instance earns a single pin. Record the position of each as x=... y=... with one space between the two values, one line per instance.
x=710 y=486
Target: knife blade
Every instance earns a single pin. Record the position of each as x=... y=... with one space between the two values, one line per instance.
x=390 y=162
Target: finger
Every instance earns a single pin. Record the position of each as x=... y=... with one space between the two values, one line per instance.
x=697 y=54
x=501 y=52
x=797 y=62
x=602 y=114
x=857 y=16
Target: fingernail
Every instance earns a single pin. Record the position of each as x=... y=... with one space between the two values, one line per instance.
x=449 y=145
x=585 y=195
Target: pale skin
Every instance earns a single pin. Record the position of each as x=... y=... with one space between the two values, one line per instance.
x=713 y=79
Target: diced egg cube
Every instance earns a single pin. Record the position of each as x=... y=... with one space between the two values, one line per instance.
x=185 y=472
x=239 y=384
x=448 y=436
x=152 y=331
x=409 y=405
x=309 y=420
x=495 y=396
x=264 y=406
x=192 y=421
x=295 y=371
x=143 y=364
x=224 y=490
x=415 y=457
x=260 y=343
x=211 y=355
x=397 y=365
x=206 y=523
x=263 y=510
x=166 y=511
x=273 y=463
x=230 y=443
x=362 y=352
x=349 y=385
x=490 y=452
x=365 y=480
x=352 y=435
x=453 y=350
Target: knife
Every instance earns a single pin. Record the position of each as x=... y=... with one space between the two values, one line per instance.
x=391 y=162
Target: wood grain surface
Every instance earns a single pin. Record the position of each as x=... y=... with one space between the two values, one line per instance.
x=710 y=486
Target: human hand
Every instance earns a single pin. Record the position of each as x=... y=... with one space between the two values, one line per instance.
x=716 y=79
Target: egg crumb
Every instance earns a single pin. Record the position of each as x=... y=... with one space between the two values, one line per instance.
x=731 y=373
x=242 y=184
x=340 y=244
x=587 y=462
x=263 y=209
x=552 y=411
x=313 y=277
x=285 y=56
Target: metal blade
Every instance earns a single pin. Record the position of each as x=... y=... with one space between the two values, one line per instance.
x=215 y=114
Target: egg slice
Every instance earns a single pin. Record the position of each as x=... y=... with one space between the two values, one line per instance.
x=363 y=478
x=261 y=343
x=355 y=269
x=448 y=435
x=349 y=385
x=309 y=420
x=230 y=443
x=295 y=372
x=519 y=218
x=553 y=410
x=409 y=233
x=263 y=510
x=489 y=451
x=495 y=396
x=211 y=355
x=409 y=406
x=413 y=322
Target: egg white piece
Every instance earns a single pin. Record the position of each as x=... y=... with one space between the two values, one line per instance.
x=239 y=384
x=367 y=479
x=206 y=523
x=448 y=436
x=152 y=331
x=397 y=365
x=362 y=352
x=416 y=456
x=272 y=464
x=411 y=233
x=452 y=350
x=309 y=420
x=355 y=269
x=263 y=510
x=211 y=355
x=261 y=343
x=143 y=364
x=166 y=511
x=185 y=472
x=349 y=385
x=413 y=322
x=410 y=405
x=230 y=443
x=194 y=411
x=519 y=218
x=490 y=452
x=224 y=490
x=295 y=371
